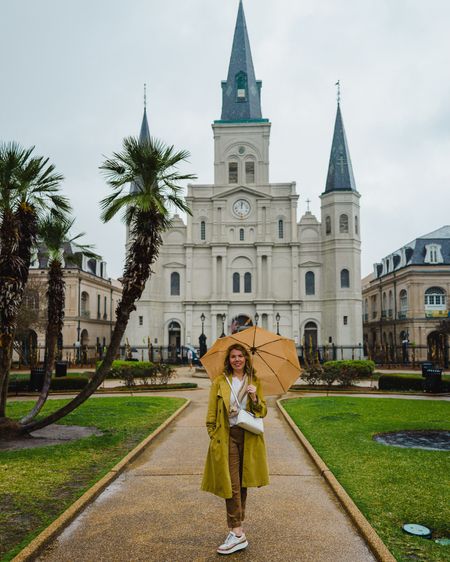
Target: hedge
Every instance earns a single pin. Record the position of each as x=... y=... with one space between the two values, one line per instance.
x=57 y=383
x=404 y=382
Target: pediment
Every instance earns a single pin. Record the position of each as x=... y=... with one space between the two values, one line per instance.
x=241 y=190
x=310 y=264
x=174 y=264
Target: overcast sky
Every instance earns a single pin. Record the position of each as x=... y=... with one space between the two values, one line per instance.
x=72 y=85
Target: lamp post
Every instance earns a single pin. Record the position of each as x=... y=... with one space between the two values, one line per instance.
x=202 y=318
x=202 y=338
x=222 y=335
x=277 y=318
x=256 y=318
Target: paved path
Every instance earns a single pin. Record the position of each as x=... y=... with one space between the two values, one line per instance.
x=155 y=512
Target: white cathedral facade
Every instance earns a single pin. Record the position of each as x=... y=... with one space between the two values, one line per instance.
x=242 y=257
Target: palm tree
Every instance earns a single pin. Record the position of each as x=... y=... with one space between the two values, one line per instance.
x=54 y=234
x=29 y=186
x=151 y=168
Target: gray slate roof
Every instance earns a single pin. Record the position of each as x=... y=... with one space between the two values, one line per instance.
x=414 y=252
x=241 y=75
x=340 y=172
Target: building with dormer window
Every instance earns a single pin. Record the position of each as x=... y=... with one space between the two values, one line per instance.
x=406 y=298
x=242 y=253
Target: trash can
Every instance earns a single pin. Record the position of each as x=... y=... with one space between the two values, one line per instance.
x=60 y=368
x=37 y=376
x=425 y=366
x=433 y=380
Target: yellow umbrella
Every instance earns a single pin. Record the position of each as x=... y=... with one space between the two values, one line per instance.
x=274 y=358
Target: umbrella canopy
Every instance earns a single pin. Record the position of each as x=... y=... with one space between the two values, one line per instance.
x=274 y=358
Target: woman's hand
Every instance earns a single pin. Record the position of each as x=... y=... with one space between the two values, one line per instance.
x=251 y=389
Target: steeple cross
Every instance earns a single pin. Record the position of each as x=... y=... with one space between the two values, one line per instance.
x=308 y=201
x=145 y=95
x=338 y=84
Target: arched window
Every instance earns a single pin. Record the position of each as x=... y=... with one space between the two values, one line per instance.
x=280 y=229
x=250 y=171
x=435 y=298
x=175 y=283
x=345 y=279
x=85 y=309
x=203 y=230
x=343 y=224
x=356 y=224
x=327 y=225
x=236 y=283
x=241 y=234
x=391 y=304
x=310 y=283
x=403 y=304
x=232 y=172
x=247 y=282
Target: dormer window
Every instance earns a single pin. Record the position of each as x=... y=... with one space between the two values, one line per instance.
x=241 y=86
x=433 y=253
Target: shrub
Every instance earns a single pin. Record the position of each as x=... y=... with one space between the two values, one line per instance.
x=312 y=374
x=347 y=371
x=130 y=371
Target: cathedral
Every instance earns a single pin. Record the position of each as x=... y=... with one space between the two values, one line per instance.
x=242 y=257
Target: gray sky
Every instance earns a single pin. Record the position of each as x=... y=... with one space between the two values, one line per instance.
x=72 y=85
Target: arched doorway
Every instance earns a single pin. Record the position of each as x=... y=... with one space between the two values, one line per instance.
x=437 y=348
x=84 y=343
x=174 y=348
x=310 y=342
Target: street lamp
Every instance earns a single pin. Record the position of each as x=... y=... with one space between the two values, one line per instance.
x=277 y=318
x=222 y=335
x=202 y=318
x=202 y=337
x=256 y=318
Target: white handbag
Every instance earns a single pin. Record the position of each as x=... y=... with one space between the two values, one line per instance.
x=247 y=420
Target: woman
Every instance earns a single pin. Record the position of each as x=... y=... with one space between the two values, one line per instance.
x=236 y=458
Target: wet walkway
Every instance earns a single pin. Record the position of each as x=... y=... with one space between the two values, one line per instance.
x=155 y=511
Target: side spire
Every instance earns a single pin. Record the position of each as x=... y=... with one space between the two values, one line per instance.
x=241 y=92
x=340 y=171
x=144 y=135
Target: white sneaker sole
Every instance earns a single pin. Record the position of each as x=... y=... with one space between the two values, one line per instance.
x=239 y=546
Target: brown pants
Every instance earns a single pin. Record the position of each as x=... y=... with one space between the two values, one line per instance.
x=236 y=504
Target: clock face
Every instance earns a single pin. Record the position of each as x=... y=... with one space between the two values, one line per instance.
x=241 y=208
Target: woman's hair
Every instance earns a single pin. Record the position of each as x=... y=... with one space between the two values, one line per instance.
x=248 y=362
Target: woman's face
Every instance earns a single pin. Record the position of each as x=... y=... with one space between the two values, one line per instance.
x=237 y=360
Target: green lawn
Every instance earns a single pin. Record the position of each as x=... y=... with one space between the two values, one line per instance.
x=390 y=485
x=36 y=485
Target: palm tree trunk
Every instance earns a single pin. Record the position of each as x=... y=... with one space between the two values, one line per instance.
x=100 y=375
x=55 y=322
x=143 y=252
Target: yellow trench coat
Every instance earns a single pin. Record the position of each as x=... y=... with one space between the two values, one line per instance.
x=255 y=473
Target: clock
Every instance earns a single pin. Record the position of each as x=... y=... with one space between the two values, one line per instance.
x=241 y=208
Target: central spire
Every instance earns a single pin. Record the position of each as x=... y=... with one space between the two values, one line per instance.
x=241 y=92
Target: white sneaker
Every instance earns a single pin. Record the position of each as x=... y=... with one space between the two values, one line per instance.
x=233 y=543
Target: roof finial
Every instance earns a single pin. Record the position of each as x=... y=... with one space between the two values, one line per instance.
x=338 y=84
x=308 y=201
x=145 y=96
